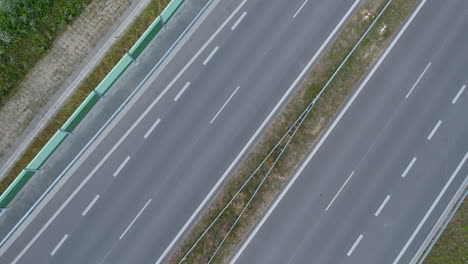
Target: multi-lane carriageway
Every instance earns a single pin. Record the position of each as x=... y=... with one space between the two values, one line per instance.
x=379 y=179
x=147 y=178
x=369 y=192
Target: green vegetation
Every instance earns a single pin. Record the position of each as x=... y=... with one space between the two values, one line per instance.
x=27 y=29
x=126 y=41
x=452 y=246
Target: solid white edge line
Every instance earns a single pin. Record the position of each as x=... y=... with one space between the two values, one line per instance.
x=134 y=219
x=454 y=101
x=150 y=130
x=419 y=79
x=57 y=247
x=302 y=167
x=257 y=132
x=90 y=205
x=224 y=105
x=179 y=94
x=440 y=221
x=356 y=243
x=408 y=168
x=381 y=207
x=423 y=221
x=121 y=166
x=300 y=8
x=238 y=21
x=434 y=130
x=339 y=191
x=211 y=55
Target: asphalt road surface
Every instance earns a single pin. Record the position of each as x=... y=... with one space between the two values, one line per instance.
x=157 y=165
x=375 y=184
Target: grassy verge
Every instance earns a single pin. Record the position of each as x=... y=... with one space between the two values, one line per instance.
x=324 y=110
x=113 y=56
x=27 y=29
x=452 y=246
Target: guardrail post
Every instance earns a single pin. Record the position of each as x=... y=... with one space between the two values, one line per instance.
x=131 y=57
x=66 y=132
x=98 y=94
x=162 y=20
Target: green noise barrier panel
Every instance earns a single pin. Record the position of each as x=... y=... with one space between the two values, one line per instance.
x=15 y=187
x=114 y=74
x=88 y=103
x=47 y=150
x=146 y=38
x=81 y=112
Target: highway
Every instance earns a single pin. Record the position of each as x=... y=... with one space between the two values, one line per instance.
x=379 y=178
x=150 y=174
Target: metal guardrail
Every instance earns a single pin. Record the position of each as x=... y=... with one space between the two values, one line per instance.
x=85 y=107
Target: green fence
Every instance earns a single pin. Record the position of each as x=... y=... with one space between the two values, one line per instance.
x=90 y=101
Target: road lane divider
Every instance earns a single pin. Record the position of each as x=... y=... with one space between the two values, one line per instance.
x=428 y=213
x=150 y=130
x=356 y=243
x=382 y=205
x=455 y=99
x=224 y=105
x=434 y=130
x=90 y=205
x=211 y=55
x=408 y=168
x=417 y=81
x=121 y=166
x=238 y=21
x=60 y=243
x=134 y=219
x=179 y=94
x=300 y=8
x=339 y=191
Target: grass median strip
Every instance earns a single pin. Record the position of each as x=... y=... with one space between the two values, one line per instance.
x=116 y=52
x=293 y=152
